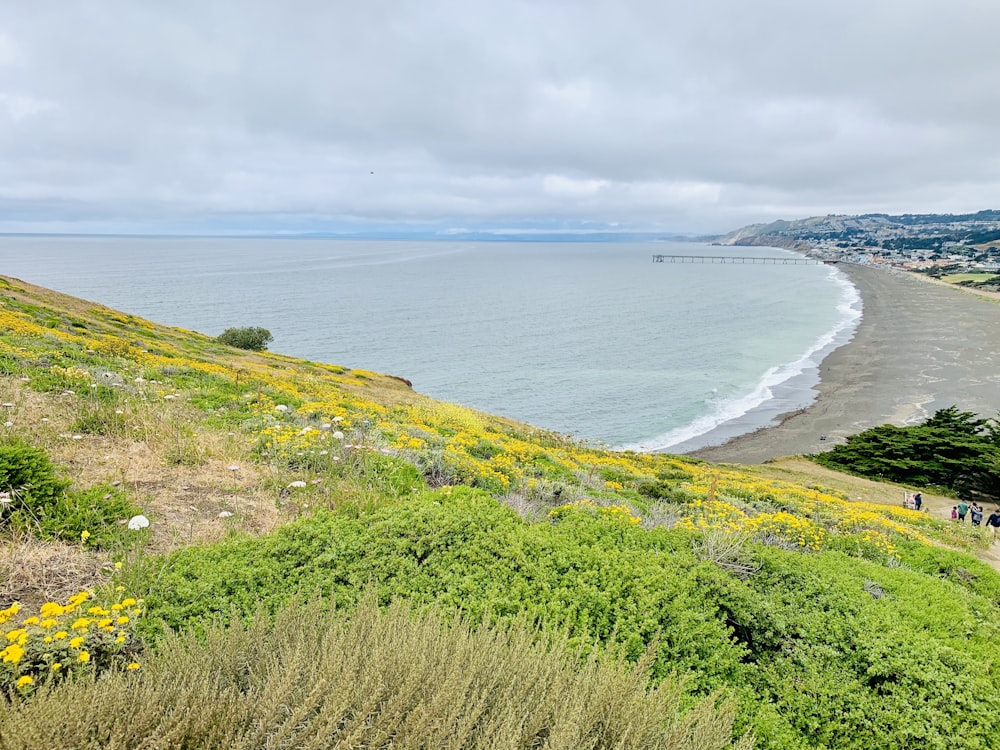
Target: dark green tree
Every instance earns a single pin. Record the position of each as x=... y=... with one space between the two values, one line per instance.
x=955 y=450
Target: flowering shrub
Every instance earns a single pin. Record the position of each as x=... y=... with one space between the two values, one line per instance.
x=63 y=639
x=789 y=528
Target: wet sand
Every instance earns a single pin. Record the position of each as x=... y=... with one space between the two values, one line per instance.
x=920 y=346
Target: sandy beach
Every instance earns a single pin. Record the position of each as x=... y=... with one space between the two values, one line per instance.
x=921 y=346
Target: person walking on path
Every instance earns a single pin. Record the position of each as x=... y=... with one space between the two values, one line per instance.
x=993 y=522
x=954 y=513
x=918 y=500
x=963 y=508
x=976 y=513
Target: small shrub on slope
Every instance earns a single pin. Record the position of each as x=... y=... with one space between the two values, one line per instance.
x=29 y=484
x=253 y=339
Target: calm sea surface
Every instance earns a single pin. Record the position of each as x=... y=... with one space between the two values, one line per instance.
x=588 y=339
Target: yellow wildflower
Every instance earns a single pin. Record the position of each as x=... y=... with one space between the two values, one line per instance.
x=57 y=666
x=77 y=642
x=12 y=654
x=122 y=620
x=31 y=621
x=60 y=635
x=84 y=657
x=132 y=665
x=23 y=682
x=48 y=623
x=50 y=609
x=80 y=624
x=77 y=599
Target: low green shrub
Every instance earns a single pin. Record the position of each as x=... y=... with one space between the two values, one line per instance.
x=29 y=483
x=254 y=339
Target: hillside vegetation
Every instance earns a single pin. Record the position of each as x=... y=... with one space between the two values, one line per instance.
x=173 y=506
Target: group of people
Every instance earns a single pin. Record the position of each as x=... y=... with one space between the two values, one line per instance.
x=975 y=513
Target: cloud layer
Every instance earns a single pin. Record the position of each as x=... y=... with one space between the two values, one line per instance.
x=659 y=115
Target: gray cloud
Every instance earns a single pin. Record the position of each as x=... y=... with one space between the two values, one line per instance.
x=659 y=114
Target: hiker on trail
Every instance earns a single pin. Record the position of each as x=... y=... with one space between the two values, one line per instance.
x=954 y=513
x=993 y=522
x=917 y=500
x=963 y=508
x=976 y=514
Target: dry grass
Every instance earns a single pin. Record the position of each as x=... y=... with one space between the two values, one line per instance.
x=183 y=500
x=34 y=572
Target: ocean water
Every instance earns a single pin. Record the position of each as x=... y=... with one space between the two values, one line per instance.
x=592 y=340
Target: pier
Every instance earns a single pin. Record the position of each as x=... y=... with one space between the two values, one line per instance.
x=737 y=259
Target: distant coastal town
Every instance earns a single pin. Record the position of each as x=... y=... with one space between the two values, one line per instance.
x=943 y=246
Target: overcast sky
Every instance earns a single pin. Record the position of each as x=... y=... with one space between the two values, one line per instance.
x=659 y=115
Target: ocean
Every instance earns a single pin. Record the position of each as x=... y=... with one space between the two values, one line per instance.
x=592 y=340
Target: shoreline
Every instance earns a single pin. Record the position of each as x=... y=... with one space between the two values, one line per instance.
x=919 y=347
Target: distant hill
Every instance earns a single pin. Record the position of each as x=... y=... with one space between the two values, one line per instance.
x=870 y=229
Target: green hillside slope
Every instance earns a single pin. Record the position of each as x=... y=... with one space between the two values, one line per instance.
x=832 y=621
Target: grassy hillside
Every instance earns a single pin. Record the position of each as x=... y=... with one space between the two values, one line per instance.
x=826 y=613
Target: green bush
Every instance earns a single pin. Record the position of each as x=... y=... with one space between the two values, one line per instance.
x=29 y=484
x=824 y=650
x=253 y=339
